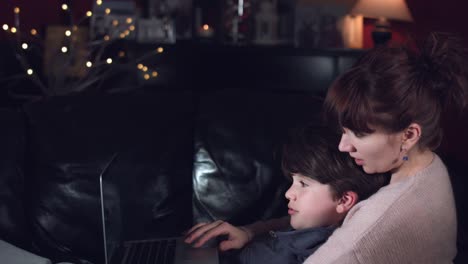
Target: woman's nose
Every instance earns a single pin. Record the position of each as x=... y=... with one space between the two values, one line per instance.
x=345 y=144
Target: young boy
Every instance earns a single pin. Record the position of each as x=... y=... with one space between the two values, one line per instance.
x=326 y=184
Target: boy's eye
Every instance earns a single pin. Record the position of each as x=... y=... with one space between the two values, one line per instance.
x=303 y=184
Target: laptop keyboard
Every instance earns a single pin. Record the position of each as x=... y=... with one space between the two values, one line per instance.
x=149 y=252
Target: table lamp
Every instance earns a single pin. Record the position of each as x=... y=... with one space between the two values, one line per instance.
x=382 y=10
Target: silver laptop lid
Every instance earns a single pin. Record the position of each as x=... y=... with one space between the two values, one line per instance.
x=110 y=212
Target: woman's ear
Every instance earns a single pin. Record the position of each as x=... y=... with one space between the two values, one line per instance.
x=411 y=135
x=346 y=202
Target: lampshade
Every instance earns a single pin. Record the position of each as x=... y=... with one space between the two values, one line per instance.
x=390 y=9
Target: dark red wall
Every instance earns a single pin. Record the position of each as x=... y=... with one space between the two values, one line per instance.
x=429 y=15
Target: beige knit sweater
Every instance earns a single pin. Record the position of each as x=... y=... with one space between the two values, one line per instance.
x=411 y=221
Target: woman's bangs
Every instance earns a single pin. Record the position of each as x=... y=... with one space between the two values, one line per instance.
x=347 y=104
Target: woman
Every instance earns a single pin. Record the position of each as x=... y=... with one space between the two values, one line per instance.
x=389 y=108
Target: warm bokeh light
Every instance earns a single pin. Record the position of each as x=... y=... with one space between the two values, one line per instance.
x=65 y=7
x=106 y=38
x=160 y=49
x=5 y=27
x=13 y=30
x=30 y=71
x=107 y=11
x=129 y=20
x=145 y=69
x=146 y=76
x=206 y=27
x=99 y=2
x=121 y=54
x=33 y=32
x=132 y=28
x=67 y=33
x=109 y=60
x=89 y=13
x=24 y=46
x=89 y=64
x=115 y=22
x=64 y=49
x=16 y=10
x=154 y=74
x=140 y=66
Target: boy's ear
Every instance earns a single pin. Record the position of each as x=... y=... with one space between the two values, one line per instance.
x=346 y=202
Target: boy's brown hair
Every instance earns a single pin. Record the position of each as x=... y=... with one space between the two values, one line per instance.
x=313 y=152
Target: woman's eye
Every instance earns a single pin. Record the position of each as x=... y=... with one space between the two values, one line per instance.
x=360 y=134
x=303 y=184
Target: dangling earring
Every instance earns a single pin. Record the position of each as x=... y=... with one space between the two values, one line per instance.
x=405 y=157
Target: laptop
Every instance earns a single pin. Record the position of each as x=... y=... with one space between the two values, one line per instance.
x=170 y=250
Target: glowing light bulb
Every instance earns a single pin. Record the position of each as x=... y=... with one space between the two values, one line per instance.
x=24 y=46
x=89 y=13
x=29 y=71
x=64 y=49
x=109 y=60
x=206 y=27
x=33 y=32
x=160 y=49
x=67 y=33
x=99 y=2
x=13 y=30
x=5 y=27
x=89 y=64
x=16 y=10
x=65 y=7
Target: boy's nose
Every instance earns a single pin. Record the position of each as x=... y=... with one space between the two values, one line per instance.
x=289 y=194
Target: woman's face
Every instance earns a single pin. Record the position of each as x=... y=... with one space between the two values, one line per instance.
x=376 y=152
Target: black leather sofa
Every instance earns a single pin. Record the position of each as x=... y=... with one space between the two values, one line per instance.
x=183 y=156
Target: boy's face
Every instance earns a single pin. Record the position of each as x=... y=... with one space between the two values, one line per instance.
x=311 y=204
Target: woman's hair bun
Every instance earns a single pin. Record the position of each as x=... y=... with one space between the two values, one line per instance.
x=444 y=60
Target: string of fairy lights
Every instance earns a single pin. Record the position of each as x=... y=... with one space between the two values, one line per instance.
x=17 y=34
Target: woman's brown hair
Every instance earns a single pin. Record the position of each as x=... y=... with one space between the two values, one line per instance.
x=391 y=87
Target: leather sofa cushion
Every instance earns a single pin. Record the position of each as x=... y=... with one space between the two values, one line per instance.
x=13 y=224
x=71 y=139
